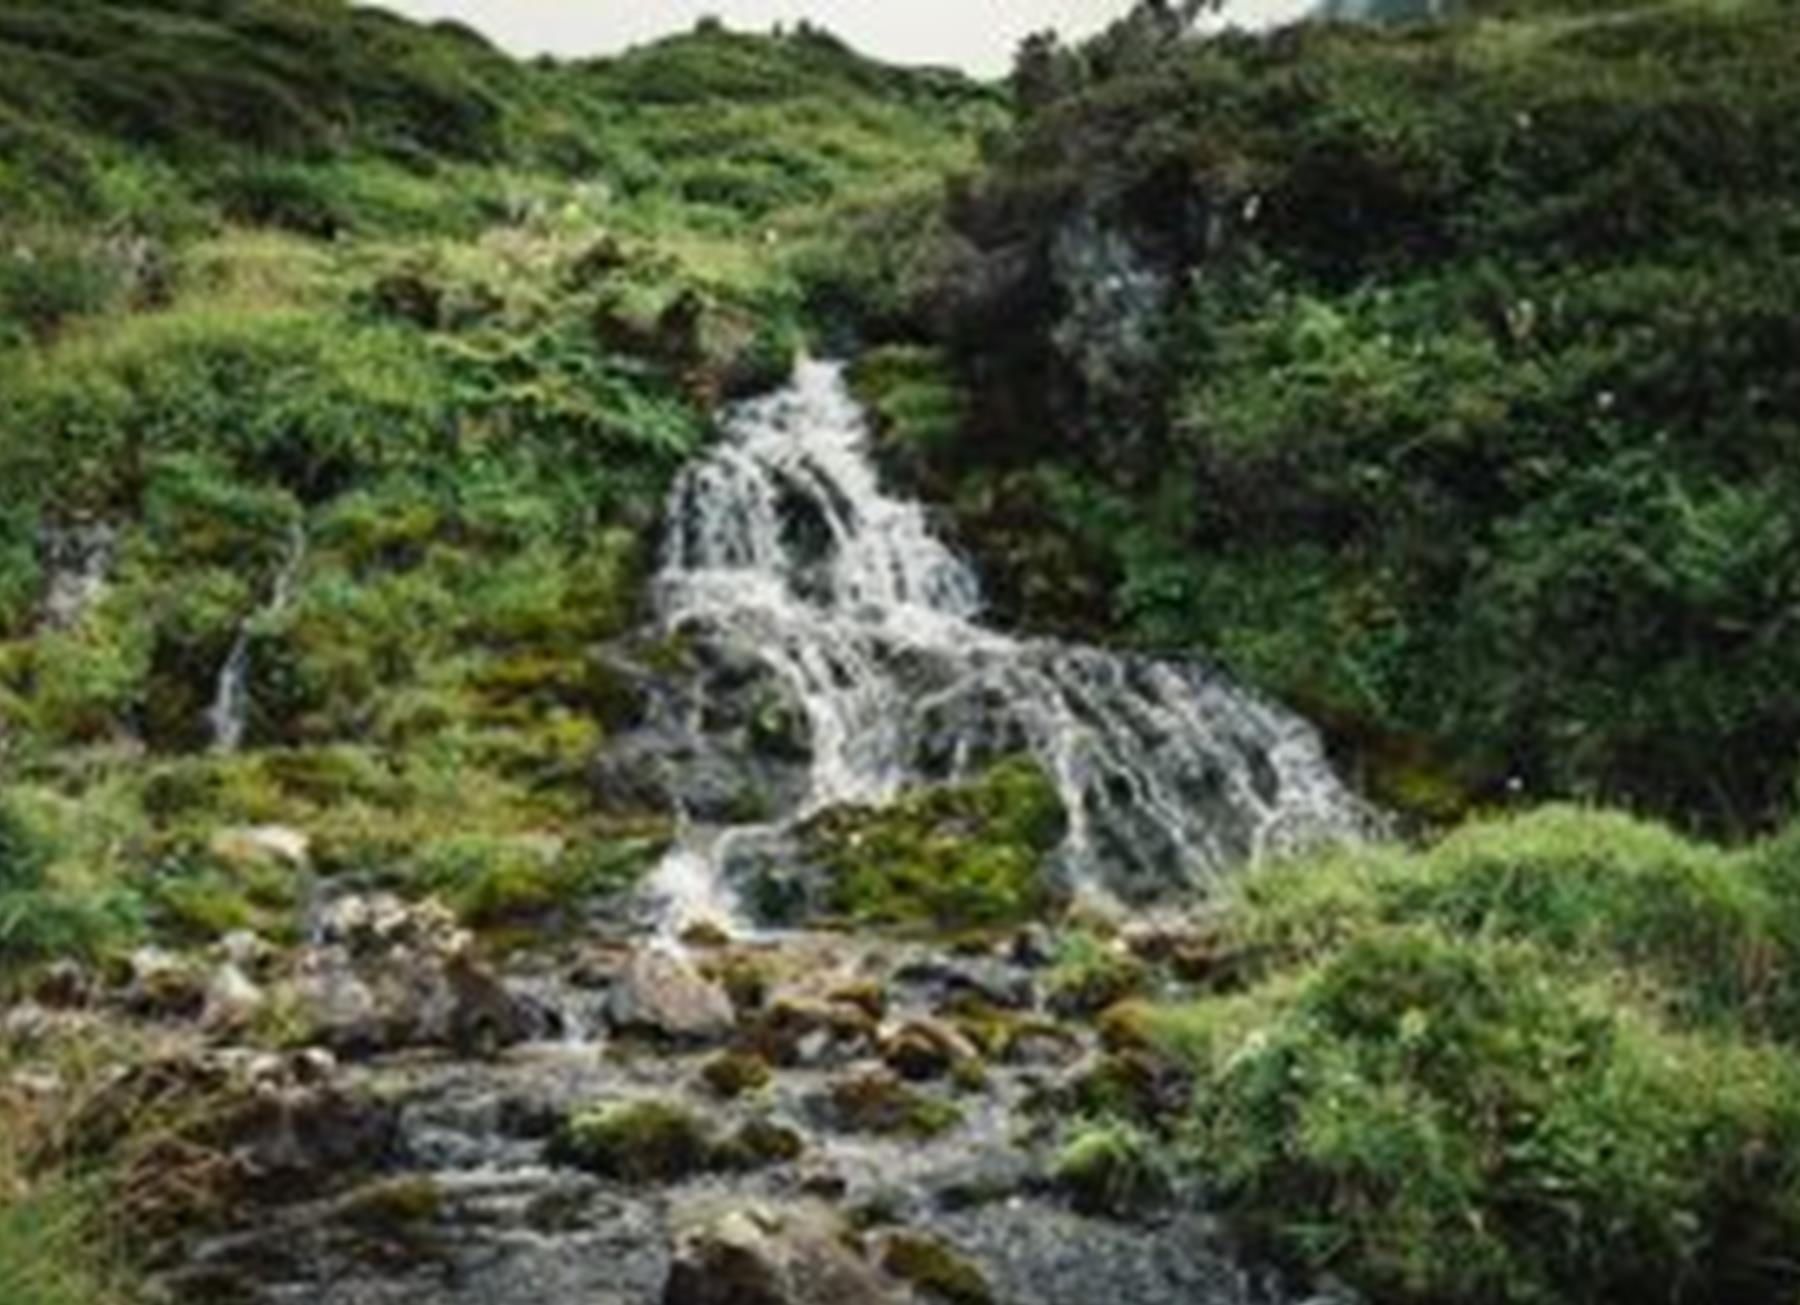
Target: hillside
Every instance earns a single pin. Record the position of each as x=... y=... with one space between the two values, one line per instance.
x=1283 y=790
x=1438 y=381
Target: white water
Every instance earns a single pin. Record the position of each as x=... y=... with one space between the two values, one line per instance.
x=782 y=543
x=228 y=715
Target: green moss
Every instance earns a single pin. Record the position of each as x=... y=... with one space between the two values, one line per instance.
x=393 y=1205
x=758 y=1144
x=638 y=1142
x=949 y=858
x=1091 y=973
x=876 y=1101
x=935 y=1269
x=1111 y=1168
x=734 y=1073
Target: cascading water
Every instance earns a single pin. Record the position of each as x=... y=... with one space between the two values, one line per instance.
x=228 y=715
x=782 y=545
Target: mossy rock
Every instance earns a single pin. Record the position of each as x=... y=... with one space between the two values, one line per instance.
x=393 y=1205
x=637 y=1142
x=1092 y=974
x=937 y=1270
x=877 y=1101
x=957 y=858
x=731 y=1074
x=759 y=1144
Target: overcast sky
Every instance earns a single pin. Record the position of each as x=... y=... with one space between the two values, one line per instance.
x=977 y=34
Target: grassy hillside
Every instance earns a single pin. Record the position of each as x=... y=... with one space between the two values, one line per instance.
x=1439 y=378
x=304 y=300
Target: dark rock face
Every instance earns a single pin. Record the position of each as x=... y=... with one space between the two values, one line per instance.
x=717 y=737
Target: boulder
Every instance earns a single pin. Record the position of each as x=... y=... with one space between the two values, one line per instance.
x=661 y=994
x=926 y=1048
x=255 y=845
x=233 y=1002
x=764 y=1255
x=161 y=985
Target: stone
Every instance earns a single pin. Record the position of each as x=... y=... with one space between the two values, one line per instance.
x=334 y=1002
x=801 y=1030
x=661 y=994
x=875 y=1100
x=635 y=1142
x=938 y=1270
x=253 y=845
x=232 y=1001
x=926 y=1048
x=249 y=951
x=765 y=1255
x=942 y=979
x=162 y=985
x=66 y=985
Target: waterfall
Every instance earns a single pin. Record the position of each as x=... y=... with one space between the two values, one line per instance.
x=229 y=713
x=781 y=542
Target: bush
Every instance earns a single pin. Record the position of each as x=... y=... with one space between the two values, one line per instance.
x=1448 y=1120
x=45 y=283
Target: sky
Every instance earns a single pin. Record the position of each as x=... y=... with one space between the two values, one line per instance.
x=979 y=35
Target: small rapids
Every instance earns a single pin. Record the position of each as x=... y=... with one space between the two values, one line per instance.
x=783 y=545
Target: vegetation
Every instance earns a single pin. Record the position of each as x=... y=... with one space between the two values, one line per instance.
x=1439 y=380
x=1551 y=1059
x=952 y=858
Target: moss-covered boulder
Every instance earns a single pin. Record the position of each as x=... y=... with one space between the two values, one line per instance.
x=952 y=858
x=636 y=1142
x=938 y=1271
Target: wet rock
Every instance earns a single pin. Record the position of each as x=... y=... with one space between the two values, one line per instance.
x=635 y=1142
x=983 y=1178
x=717 y=735
x=875 y=1100
x=758 y=1144
x=926 y=1048
x=941 y=978
x=733 y=1073
x=477 y=1015
x=936 y=1269
x=661 y=994
x=802 y=1030
x=761 y=1255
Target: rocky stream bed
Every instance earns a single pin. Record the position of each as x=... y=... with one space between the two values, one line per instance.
x=813 y=1117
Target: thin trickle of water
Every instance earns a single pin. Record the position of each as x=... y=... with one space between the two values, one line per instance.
x=228 y=716
x=782 y=544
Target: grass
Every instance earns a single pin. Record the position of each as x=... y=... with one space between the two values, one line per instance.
x=1549 y=1059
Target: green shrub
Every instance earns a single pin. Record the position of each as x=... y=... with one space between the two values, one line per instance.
x=45 y=283
x=1704 y=933
x=1450 y=1120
